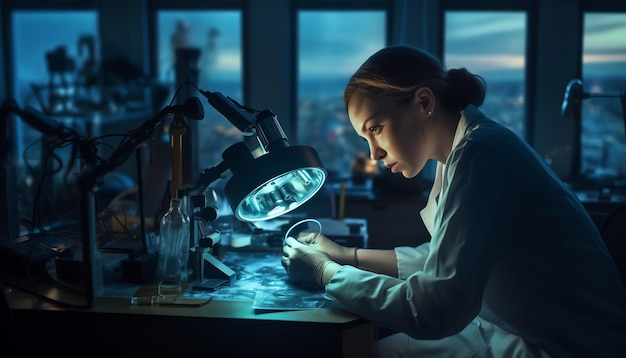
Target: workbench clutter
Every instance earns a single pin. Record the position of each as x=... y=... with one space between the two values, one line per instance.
x=265 y=177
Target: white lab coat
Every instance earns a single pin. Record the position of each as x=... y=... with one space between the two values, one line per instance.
x=515 y=266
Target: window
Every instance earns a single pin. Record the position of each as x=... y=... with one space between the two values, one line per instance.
x=332 y=44
x=35 y=35
x=491 y=44
x=50 y=48
x=603 y=141
x=217 y=34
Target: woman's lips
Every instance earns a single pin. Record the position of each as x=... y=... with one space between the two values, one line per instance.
x=393 y=167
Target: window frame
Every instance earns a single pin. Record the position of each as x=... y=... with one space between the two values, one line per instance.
x=530 y=70
x=328 y=5
x=9 y=213
x=8 y=7
x=191 y=161
x=429 y=17
x=589 y=7
x=153 y=8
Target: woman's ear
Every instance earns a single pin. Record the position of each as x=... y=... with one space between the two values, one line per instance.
x=425 y=99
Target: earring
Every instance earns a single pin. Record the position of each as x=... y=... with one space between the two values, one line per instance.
x=429 y=113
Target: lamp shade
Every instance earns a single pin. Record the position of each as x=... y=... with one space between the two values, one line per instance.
x=273 y=184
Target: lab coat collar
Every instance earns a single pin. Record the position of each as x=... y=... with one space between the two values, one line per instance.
x=468 y=119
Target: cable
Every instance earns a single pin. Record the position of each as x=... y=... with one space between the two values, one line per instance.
x=180 y=88
x=49 y=155
x=35 y=292
x=51 y=164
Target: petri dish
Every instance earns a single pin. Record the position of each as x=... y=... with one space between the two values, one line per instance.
x=304 y=227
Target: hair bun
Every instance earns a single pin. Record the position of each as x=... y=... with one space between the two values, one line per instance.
x=465 y=88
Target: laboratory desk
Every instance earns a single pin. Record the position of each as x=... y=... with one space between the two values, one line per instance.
x=220 y=328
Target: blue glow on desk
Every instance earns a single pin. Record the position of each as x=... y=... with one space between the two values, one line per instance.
x=262 y=279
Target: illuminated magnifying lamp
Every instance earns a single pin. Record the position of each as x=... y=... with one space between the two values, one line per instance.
x=269 y=177
x=273 y=184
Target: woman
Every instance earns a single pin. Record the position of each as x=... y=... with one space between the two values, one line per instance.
x=514 y=266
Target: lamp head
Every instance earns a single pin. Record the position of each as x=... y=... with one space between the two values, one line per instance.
x=273 y=184
x=269 y=177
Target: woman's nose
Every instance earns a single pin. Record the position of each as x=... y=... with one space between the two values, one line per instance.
x=376 y=153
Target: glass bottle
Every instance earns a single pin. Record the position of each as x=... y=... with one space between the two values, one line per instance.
x=173 y=250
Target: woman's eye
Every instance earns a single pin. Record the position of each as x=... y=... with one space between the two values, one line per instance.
x=375 y=128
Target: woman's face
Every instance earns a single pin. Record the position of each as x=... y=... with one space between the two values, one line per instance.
x=395 y=134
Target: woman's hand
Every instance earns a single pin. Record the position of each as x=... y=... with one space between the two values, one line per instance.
x=340 y=254
x=303 y=262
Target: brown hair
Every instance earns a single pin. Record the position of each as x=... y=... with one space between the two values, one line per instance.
x=397 y=71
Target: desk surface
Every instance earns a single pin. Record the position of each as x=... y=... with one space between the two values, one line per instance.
x=220 y=328
x=234 y=328
x=20 y=300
